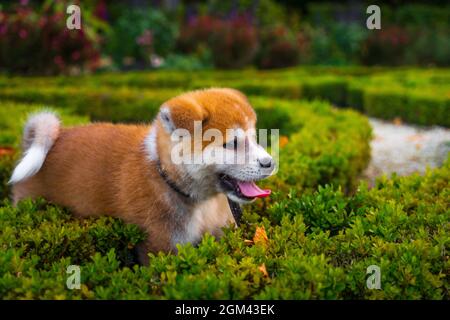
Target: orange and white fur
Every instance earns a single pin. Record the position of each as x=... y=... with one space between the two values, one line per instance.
x=111 y=169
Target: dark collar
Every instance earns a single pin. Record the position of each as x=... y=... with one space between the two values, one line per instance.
x=236 y=211
x=169 y=182
x=234 y=206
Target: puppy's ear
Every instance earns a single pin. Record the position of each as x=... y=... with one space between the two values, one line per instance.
x=166 y=119
x=181 y=115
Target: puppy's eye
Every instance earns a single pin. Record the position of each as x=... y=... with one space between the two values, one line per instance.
x=231 y=145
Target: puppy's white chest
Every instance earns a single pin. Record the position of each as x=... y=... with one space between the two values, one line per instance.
x=208 y=216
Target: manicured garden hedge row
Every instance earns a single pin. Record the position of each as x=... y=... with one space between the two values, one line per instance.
x=423 y=109
x=325 y=145
x=421 y=97
x=318 y=246
x=417 y=96
x=103 y=103
x=320 y=240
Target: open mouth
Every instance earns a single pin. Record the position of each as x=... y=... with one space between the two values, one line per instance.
x=246 y=190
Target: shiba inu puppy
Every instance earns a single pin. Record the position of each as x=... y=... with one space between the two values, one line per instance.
x=127 y=171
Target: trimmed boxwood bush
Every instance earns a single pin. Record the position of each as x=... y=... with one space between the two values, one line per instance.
x=322 y=232
x=318 y=246
x=416 y=95
x=104 y=104
x=325 y=145
x=411 y=107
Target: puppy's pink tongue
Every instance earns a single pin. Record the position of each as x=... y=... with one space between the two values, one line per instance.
x=251 y=190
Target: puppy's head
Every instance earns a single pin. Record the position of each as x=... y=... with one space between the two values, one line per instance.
x=210 y=137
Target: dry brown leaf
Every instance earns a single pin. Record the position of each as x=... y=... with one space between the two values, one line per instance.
x=260 y=236
x=263 y=269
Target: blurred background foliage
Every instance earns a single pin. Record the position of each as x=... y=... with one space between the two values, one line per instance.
x=205 y=34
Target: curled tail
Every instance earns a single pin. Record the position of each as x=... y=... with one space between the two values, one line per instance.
x=41 y=131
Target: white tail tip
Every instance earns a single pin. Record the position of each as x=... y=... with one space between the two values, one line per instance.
x=30 y=164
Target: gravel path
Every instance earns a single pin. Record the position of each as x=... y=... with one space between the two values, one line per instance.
x=405 y=149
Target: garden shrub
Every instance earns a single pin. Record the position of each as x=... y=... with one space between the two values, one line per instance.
x=412 y=34
x=386 y=46
x=331 y=89
x=411 y=107
x=429 y=47
x=187 y=62
x=23 y=31
x=233 y=43
x=322 y=231
x=120 y=105
x=416 y=96
x=137 y=34
x=278 y=48
x=318 y=246
x=324 y=145
x=338 y=43
x=355 y=97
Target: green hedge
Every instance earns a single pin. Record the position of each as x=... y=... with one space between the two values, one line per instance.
x=416 y=95
x=104 y=104
x=323 y=232
x=325 y=145
x=415 y=108
x=319 y=247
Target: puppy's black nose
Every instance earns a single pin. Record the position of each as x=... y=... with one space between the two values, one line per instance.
x=265 y=162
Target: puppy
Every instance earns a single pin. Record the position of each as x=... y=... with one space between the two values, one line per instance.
x=129 y=172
